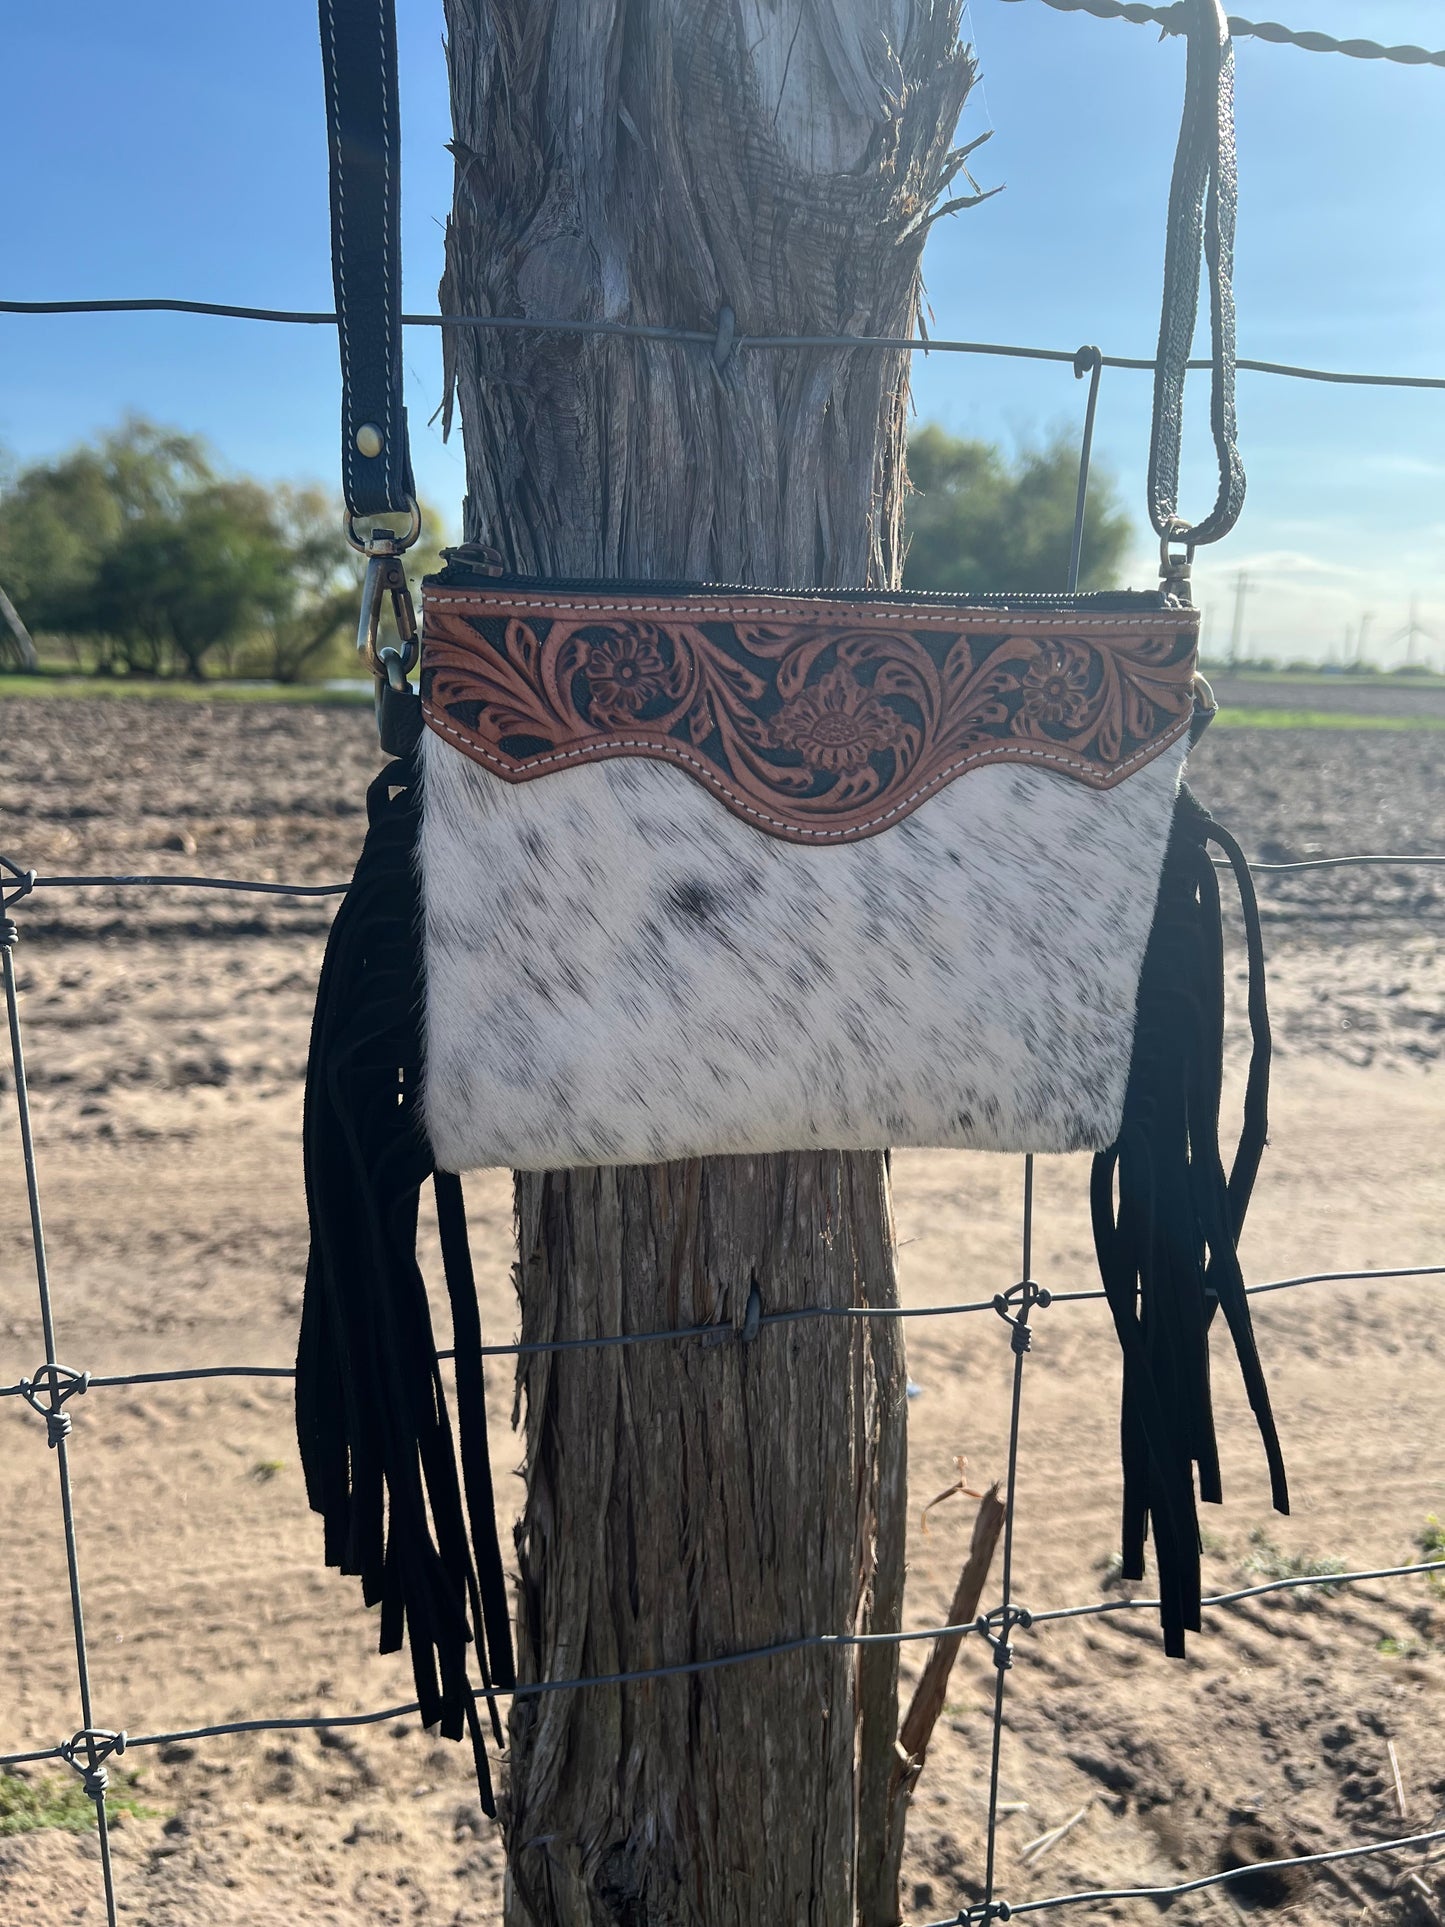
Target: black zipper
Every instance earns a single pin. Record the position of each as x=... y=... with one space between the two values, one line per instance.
x=462 y=573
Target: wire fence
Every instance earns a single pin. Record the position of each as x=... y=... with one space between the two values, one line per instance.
x=53 y=1387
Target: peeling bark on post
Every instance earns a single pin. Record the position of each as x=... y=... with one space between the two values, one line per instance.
x=657 y=161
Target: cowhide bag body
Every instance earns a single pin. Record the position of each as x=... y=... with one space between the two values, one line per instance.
x=723 y=871
x=664 y=872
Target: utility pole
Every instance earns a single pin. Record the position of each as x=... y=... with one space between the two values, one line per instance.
x=686 y=162
x=1365 y=620
x=1236 y=633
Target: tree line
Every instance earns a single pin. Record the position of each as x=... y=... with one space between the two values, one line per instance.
x=138 y=556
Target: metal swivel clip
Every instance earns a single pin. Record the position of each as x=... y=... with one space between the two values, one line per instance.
x=1176 y=560
x=398 y=718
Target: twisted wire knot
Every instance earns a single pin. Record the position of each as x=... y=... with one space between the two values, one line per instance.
x=1006 y=1618
x=87 y=1752
x=24 y=884
x=54 y=1384
x=1026 y=1295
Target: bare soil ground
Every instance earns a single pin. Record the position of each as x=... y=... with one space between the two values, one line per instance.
x=166 y=1035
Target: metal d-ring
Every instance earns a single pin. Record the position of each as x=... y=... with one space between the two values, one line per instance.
x=395 y=663
x=386 y=541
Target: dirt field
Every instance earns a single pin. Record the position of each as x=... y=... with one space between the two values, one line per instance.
x=166 y=1036
x=1418 y=698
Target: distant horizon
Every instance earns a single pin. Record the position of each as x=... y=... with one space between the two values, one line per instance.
x=1387 y=649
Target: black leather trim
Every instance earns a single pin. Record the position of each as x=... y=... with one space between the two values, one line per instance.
x=358 y=55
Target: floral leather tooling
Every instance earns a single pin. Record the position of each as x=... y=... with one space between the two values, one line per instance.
x=816 y=718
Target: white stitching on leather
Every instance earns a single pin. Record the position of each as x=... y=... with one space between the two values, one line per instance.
x=669 y=752
x=393 y=428
x=916 y=613
x=338 y=150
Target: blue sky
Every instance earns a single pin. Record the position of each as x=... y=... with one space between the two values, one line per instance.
x=175 y=148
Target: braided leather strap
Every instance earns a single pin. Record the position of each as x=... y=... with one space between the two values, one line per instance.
x=1202 y=200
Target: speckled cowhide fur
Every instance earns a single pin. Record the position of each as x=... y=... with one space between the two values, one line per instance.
x=661 y=915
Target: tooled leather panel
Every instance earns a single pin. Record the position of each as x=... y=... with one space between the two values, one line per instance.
x=815 y=720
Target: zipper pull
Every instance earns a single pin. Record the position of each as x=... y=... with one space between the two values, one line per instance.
x=478 y=556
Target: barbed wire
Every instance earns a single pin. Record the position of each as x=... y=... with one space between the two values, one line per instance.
x=718 y=339
x=1174 y=19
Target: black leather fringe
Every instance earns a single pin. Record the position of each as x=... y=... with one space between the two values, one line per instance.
x=1167 y=1246
x=375 y=1435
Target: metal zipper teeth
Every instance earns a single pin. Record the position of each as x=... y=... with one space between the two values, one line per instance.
x=459 y=575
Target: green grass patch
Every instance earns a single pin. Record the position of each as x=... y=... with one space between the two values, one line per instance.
x=1269 y=1561
x=27 y=1806
x=1230 y=717
x=1348 y=679
x=1390 y=1647
x=145 y=689
x=1431 y=1541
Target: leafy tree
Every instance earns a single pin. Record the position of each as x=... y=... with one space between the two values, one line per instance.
x=183 y=580
x=318 y=593
x=977 y=520
x=62 y=518
x=139 y=550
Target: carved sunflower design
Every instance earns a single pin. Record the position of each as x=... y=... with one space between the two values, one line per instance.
x=623 y=674
x=836 y=725
x=1056 y=690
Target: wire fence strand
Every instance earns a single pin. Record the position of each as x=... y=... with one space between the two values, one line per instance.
x=29 y=880
x=1174 y=19
x=58 y=1425
x=706 y=1334
x=703 y=337
x=1164 y=1895
x=982 y=1627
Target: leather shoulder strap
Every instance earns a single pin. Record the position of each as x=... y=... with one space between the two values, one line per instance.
x=1202 y=198
x=358 y=53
